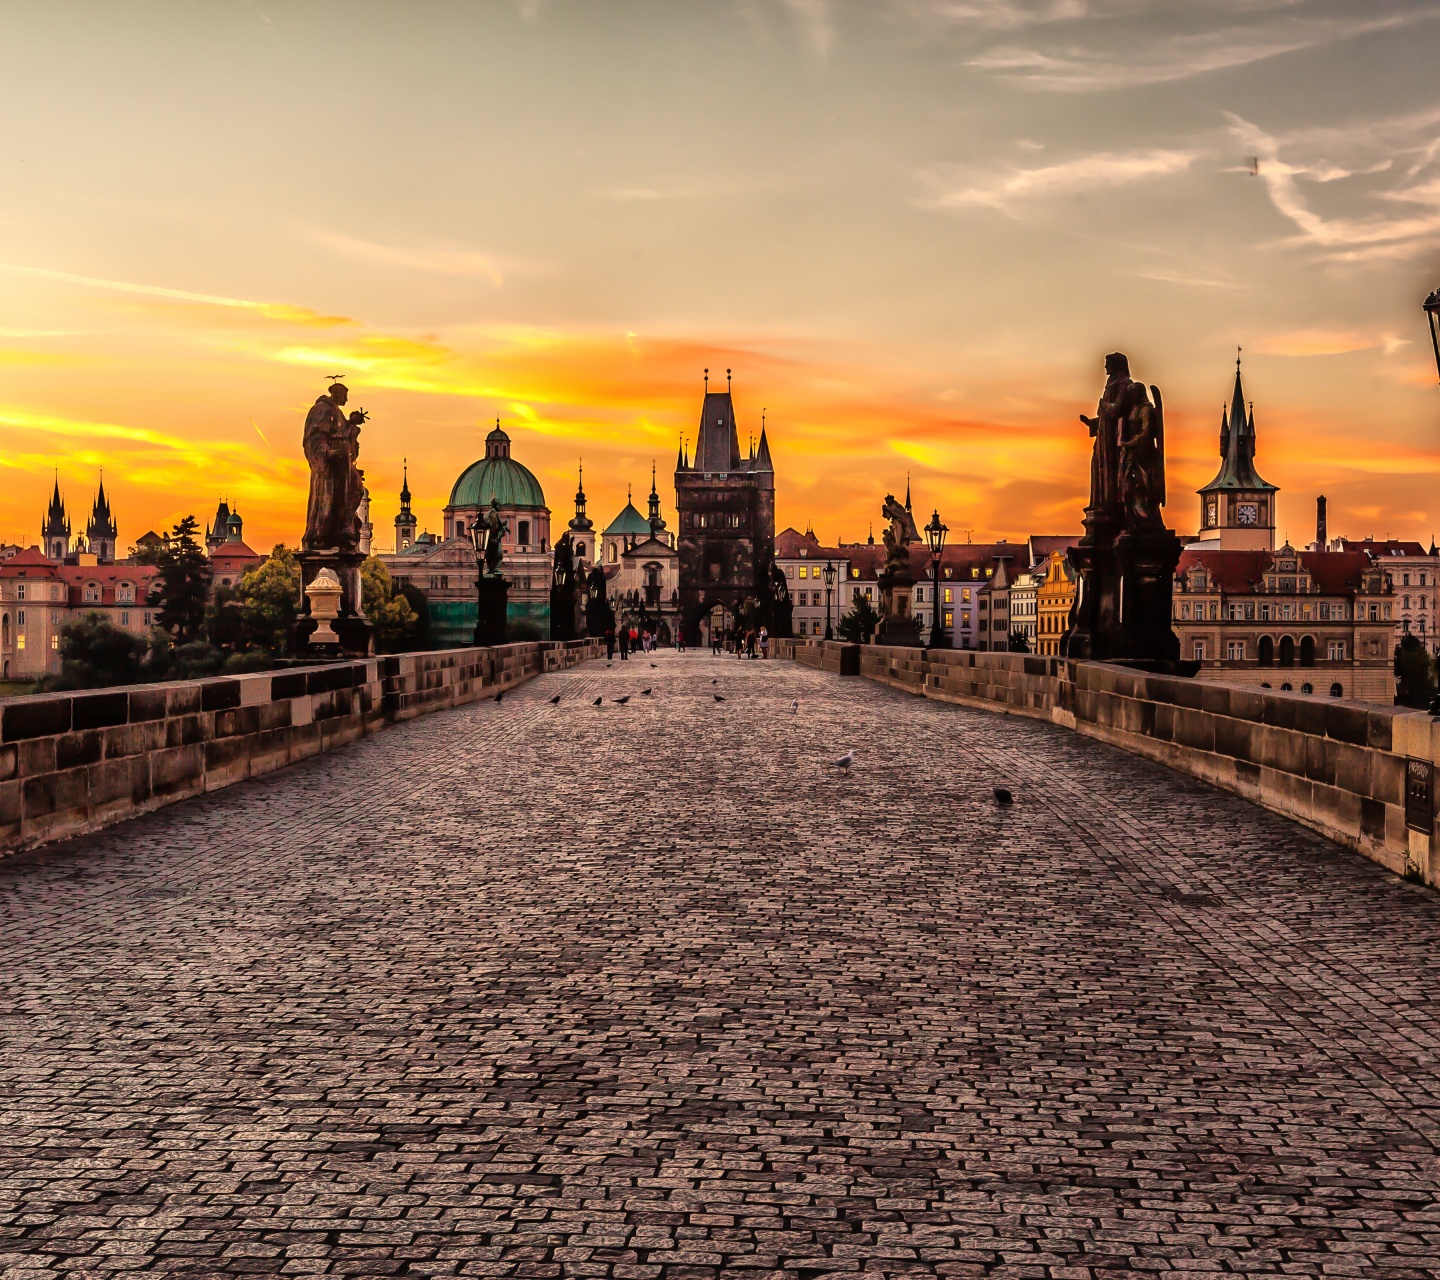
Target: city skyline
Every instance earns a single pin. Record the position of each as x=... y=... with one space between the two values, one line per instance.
x=912 y=230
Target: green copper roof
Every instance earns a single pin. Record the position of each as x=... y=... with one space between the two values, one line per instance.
x=508 y=482
x=629 y=521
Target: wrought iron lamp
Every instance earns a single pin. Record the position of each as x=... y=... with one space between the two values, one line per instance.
x=935 y=533
x=1432 y=316
x=829 y=587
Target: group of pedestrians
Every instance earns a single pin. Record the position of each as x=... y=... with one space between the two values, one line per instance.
x=743 y=644
x=629 y=640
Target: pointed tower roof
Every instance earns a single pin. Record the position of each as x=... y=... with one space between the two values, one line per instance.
x=717 y=448
x=57 y=522
x=102 y=523
x=405 y=482
x=581 y=523
x=656 y=521
x=1237 y=443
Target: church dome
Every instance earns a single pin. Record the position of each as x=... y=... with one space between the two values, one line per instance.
x=628 y=521
x=497 y=476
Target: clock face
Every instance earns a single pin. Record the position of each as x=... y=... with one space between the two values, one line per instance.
x=1247 y=513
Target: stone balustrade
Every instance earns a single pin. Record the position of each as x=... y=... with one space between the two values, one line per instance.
x=73 y=762
x=1339 y=767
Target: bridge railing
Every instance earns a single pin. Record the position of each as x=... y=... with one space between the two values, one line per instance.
x=74 y=762
x=1361 y=774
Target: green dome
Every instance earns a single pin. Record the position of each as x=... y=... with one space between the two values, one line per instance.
x=497 y=475
x=628 y=521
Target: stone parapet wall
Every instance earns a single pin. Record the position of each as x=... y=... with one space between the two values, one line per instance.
x=1337 y=766
x=74 y=762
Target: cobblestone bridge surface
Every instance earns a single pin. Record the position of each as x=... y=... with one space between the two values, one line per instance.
x=650 y=991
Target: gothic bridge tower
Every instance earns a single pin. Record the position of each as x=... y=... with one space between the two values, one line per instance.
x=726 y=511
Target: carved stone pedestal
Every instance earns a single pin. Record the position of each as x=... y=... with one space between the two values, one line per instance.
x=355 y=634
x=897 y=623
x=566 y=622
x=493 y=597
x=1122 y=608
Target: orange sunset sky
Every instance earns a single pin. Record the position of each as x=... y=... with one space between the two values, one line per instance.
x=912 y=228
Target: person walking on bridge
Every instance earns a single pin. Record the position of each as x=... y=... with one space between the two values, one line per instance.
x=610 y=644
x=624 y=644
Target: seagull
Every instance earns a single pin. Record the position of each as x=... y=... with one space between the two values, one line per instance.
x=845 y=761
x=555 y=700
x=597 y=702
x=621 y=701
x=795 y=706
x=645 y=693
x=718 y=697
x=1002 y=796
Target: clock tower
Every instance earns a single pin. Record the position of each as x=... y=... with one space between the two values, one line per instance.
x=1237 y=508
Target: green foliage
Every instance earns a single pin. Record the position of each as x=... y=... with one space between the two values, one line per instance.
x=269 y=599
x=386 y=608
x=416 y=599
x=1414 y=673
x=182 y=586
x=1019 y=642
x=94 y=652
x=859 y=624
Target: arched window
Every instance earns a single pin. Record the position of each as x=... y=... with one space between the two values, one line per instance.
x=1267 y=651
x=1307 y=651
x=1307 y=688
x=1287 y=651
x=1287 y=687
x=614 y=554
x=5 y=630
x=579 y=548
x=1337 y=691
x=1265 y=684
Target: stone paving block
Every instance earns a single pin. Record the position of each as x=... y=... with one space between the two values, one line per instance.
x=655 y=991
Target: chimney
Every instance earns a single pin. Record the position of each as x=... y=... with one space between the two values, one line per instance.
x=1320 y=532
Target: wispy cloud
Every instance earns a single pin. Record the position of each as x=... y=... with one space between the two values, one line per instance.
x=1342 y=201
x=1327 y=342
x=274 y=310
x=954 y=188
x=1095 y=51
x=816 y=24
x=436 y=260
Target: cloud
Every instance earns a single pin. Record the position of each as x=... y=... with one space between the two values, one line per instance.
x=814 y=21
x=1342 y=202
x=1004 y=190
x=1327 y=342
x=1102 y=53
x=447 y=261
x=273 y=310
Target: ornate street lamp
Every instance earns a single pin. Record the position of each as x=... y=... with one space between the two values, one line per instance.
x=829 y=587
x=1432 y=315
x=935 y=535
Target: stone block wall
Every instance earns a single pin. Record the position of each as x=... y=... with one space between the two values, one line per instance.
x=73 y=762
x=1337 y=766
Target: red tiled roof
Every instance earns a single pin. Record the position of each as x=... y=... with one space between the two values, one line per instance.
x=235 y=551
x=1042 y=544
x=1242 y=572
x=1383 y=547
x=23 y=563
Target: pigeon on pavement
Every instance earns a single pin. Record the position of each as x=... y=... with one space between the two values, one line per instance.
x=597 y=702
x=795 y=706
x=845 y=761
x=718 y=697
x=555 y=700
x=621 y=701
x=499 y=695
x=645 y=693
x=1002 y=796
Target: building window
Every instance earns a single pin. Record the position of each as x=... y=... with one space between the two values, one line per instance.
x=1307 y=688
x=524 y=533
x=459 y=528
x=20 y=641
x=124 y=619
x=55 y=641
x=1287 y=687
x=1235 y=651
x=19 y=591
x=147 y=619
x=949 y=619
x=1264 y=613
x=949 y=597
x=1199 y=651
x=854 y=573
x=1335 y=651
x=1337 y=691
x=20 y=617
x=919 y=595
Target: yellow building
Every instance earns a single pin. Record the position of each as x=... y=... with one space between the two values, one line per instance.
x=1053 y=599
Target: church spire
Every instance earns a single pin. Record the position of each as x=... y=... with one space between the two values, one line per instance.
x=581 y=523
x=405 y=484
x=657 y=523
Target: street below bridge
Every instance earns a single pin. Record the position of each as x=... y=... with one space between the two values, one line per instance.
x=655 y=990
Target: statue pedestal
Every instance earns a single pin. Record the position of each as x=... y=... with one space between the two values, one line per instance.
x=355 y=635
x=1123 y=606
x=565 y=613
x=897 y=623
x=493 y=597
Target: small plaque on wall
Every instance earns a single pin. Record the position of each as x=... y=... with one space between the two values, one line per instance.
x=1419 y=794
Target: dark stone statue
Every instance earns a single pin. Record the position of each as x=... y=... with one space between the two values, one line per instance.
x=332 y=447
x=1127 y=558
x=782 y=610
x=565 y=620
x=488 y=534
x=896 y=580
x=598 y=613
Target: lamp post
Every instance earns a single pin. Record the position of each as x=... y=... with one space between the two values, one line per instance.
x=1432 y=315
x=935 y=535
x=829 y=587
